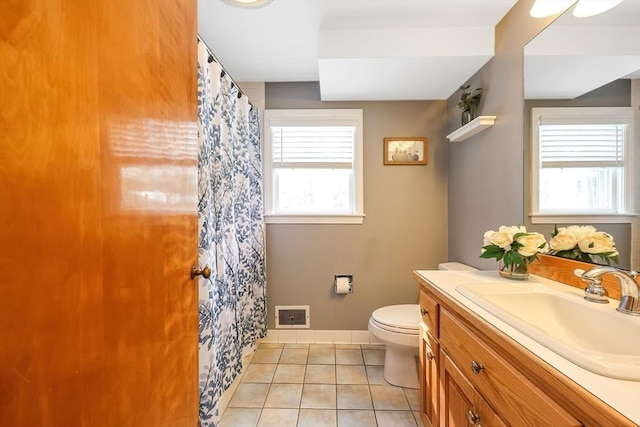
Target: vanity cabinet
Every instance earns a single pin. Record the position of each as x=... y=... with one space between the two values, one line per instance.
x=473 y=374
x=518 y=401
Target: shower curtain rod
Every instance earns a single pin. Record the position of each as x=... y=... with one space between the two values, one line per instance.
x=212 y=56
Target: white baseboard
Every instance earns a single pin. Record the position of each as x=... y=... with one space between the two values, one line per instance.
x=308 y=336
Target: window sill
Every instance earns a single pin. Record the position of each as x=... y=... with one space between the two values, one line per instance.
x=556 y=218
x=314 y=219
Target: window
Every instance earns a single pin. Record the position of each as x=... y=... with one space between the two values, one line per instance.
x=313 y=166
x=582 y=165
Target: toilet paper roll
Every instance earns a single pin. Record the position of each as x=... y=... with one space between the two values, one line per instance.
x=342 y=285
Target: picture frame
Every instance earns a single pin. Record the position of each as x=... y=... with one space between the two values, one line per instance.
x=405 y=151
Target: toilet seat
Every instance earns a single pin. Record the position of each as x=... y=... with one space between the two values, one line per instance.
x=403 y=318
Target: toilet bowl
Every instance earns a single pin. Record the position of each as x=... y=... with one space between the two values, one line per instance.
x=396 y=326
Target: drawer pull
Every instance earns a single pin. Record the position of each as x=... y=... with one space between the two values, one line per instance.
x=424 y=311
x=476 y=367
x=430 y=355
x=472 y=417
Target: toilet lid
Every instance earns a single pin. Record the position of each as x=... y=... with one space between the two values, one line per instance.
x=404 y=316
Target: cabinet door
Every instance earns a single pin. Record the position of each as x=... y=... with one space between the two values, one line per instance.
x=429 y=355
x=460 y=403
x=485 y=415
x=456 y=394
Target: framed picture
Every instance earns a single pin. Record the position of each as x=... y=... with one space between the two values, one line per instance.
x=405 y=151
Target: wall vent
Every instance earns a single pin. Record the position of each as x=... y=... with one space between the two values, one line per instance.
x=292 y=316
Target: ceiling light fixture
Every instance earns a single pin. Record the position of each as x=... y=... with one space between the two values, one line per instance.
x=545 y=8
x=248 y=4
x=582 y=9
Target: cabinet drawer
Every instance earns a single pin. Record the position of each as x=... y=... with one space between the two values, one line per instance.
x=516 y=399
x=429 y=312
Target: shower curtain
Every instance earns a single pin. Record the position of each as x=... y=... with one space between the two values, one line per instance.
x=232 y=305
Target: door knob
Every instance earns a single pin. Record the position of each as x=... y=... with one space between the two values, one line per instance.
x=205 y=272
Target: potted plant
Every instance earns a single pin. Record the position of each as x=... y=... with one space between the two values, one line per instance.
x=515 y=248
x=469 y=103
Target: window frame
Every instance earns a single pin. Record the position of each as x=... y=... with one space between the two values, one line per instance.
x=313 y=117
x=586 y=115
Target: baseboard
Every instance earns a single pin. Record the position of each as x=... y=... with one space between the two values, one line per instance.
x=308 y=336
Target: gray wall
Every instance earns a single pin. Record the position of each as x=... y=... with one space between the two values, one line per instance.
x=486 y=172
x=405 y=227
x=615 y=94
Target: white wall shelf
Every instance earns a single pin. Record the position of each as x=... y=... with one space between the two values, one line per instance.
x=473 y=127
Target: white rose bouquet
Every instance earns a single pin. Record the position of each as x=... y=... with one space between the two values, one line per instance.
x=514 y=246
x=583 y=243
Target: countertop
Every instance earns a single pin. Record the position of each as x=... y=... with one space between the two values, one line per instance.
x=621 y=395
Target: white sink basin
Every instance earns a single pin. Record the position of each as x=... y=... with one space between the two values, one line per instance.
x=593 y=336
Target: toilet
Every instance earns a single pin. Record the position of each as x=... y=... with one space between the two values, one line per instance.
x=396 y=326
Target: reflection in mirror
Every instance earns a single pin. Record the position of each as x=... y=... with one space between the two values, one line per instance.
x=585 y=62
x=574 y=56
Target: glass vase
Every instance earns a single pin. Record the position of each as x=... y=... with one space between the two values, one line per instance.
x=466 y=117
x=473 y=111
x=514 y=271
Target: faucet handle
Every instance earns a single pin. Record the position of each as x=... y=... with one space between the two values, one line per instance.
x=578 y=272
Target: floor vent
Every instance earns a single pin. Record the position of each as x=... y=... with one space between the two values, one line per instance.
x=292 y=316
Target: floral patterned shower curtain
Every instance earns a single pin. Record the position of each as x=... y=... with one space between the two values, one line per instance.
x=231 y=232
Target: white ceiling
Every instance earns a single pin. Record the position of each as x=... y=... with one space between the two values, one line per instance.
x=357 y=49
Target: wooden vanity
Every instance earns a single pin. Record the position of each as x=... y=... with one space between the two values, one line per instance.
x=473 y=373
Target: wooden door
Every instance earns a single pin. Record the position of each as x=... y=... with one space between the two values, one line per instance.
x=98 y=222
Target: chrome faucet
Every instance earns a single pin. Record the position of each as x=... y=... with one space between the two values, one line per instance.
x=629 y=288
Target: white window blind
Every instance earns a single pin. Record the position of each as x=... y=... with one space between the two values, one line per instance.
x=599 y=145
x=313 y=146
x=313 y=166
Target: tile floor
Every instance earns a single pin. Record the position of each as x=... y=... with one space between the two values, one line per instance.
x=318 y=385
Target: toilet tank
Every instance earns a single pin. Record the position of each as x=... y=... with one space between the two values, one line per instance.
x=455 y=266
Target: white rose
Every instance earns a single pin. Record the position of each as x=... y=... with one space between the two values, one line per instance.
x=501 y=239
x=487 y=237
x=563 y=241
x=512 y=231
x=577 y=231
x=531 y=244
x=597 y=242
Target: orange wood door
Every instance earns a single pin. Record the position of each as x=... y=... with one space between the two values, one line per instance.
x=98 y=222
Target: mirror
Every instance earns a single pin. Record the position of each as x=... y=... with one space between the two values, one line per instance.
x=583 y=62
x=573 y=56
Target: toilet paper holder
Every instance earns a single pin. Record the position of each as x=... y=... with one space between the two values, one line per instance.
x=349 y=277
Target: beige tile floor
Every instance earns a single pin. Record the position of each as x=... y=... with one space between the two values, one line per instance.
x=318 y=385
